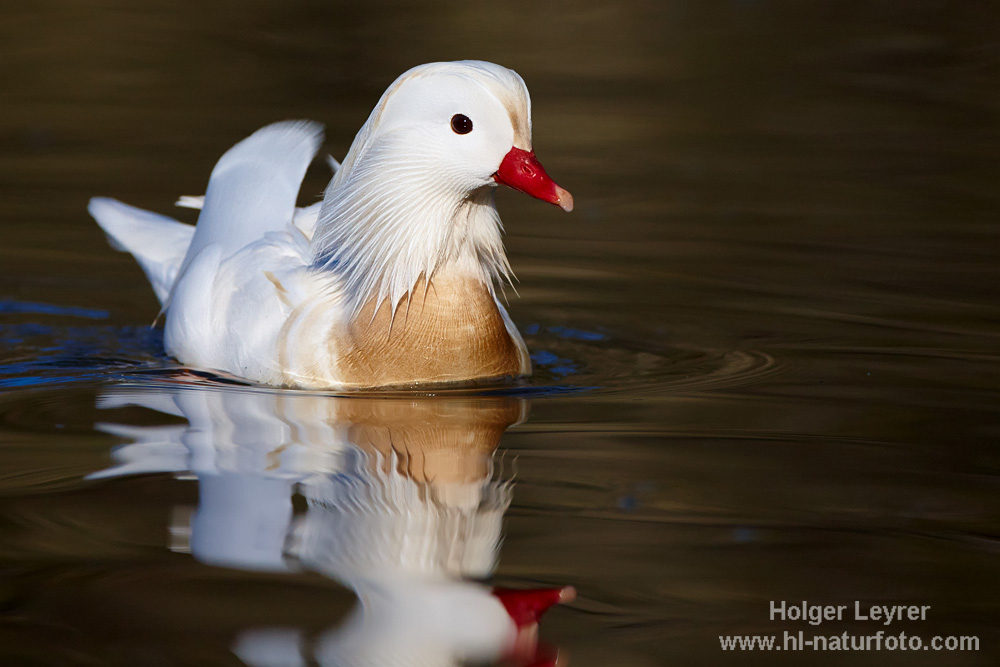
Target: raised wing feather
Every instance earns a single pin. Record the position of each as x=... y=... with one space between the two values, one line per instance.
x=157 y=242
x=254 y=186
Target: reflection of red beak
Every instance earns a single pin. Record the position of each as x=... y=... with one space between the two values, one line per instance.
x=522 y=171
x=525 y=608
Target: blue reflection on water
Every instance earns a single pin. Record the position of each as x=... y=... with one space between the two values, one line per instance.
x=20 y=307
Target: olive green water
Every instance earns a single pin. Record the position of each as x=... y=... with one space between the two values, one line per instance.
x=766 y=342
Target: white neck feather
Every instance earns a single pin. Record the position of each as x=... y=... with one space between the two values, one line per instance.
x=393 y=217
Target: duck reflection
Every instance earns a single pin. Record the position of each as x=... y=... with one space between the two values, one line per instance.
x=403 y=505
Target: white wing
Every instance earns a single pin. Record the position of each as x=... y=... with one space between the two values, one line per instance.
x=304 y=218
x=254 y=186
x=157 y=242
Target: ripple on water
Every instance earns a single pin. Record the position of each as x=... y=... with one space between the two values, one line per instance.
x=41 y=354
x=565 y=358
x=616 y=363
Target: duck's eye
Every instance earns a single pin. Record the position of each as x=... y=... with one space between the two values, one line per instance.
x=461 y=124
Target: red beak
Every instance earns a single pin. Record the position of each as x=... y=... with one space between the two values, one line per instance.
x=522 y=171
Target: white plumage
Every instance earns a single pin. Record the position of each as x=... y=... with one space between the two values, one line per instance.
x=390 y=281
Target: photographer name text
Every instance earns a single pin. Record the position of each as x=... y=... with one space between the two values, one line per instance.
x=814 y=614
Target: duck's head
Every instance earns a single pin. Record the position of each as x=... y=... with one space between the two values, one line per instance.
x=468 y=123
x=415 y=191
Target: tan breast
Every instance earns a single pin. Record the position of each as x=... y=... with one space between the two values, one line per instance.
x=448 y=331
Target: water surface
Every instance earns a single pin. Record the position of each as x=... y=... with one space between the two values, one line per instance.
x=766 y=343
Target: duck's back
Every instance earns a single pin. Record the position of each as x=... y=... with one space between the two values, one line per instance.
x=227 y=312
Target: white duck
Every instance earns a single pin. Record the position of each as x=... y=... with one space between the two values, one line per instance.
x=392 y=281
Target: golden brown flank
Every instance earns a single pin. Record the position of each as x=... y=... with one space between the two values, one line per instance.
x=448 y=331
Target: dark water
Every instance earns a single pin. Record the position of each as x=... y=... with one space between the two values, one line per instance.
x=766 y=340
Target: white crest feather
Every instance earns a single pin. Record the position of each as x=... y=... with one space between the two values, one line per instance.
x=395 y=212
x=389 y=223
